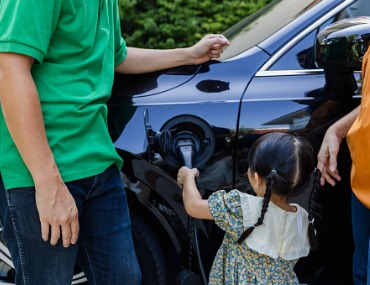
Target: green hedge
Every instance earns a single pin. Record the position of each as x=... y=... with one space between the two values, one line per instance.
x=179 y=23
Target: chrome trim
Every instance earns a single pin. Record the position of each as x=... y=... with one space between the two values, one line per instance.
x=268 y=73
x=308 y=30
x=137 y=103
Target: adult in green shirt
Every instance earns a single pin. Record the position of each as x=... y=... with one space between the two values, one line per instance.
x=61 y=196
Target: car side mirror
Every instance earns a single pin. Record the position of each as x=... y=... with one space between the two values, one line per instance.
x=343 y=44
x=339 y=50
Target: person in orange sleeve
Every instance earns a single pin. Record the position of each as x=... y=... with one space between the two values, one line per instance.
x=355 y=128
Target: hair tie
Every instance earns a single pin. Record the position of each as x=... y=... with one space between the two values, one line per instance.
x=312 y=221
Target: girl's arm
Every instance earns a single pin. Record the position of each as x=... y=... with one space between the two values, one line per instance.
x=195 y=205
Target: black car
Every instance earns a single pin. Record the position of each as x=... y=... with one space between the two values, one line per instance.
x=284 y=71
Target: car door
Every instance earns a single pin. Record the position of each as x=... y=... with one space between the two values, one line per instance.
x=291 y=94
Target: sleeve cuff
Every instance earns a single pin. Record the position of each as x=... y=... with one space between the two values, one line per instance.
x=22 y=49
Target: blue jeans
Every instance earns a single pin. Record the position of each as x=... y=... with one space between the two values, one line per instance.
x=361 y=235
x=104 y=250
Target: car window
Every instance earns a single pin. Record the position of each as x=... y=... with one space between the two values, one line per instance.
x=301 y=55
x=359 y=8
x=261 y=25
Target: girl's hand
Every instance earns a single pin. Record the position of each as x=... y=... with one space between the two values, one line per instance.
x=194 y=204
x=185 y=172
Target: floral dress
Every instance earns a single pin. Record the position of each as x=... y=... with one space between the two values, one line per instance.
x=268 y=255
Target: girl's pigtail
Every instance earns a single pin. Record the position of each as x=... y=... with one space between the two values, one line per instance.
x=246 y=234
x=265 y=203
x=313 y=210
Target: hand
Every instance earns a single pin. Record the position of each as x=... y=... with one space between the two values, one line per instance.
x=185 y=172
x=209 y=47
x=327 y=157
x=58 y=213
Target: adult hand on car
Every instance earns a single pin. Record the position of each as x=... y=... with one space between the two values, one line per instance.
x=209 y=47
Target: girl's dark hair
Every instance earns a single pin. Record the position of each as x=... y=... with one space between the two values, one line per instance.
x=286 y=162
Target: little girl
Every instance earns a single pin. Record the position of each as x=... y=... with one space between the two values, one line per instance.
x=264 y=234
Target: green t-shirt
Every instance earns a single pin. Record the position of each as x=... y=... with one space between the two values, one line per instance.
x=76 y=45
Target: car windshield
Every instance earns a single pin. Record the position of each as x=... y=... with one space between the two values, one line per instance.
x=263 y=23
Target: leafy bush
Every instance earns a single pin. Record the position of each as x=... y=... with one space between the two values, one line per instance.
x=179 y=23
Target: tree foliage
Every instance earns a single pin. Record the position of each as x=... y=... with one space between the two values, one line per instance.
x=179 y=23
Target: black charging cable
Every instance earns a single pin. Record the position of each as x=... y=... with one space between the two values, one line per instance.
x=186 y=149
